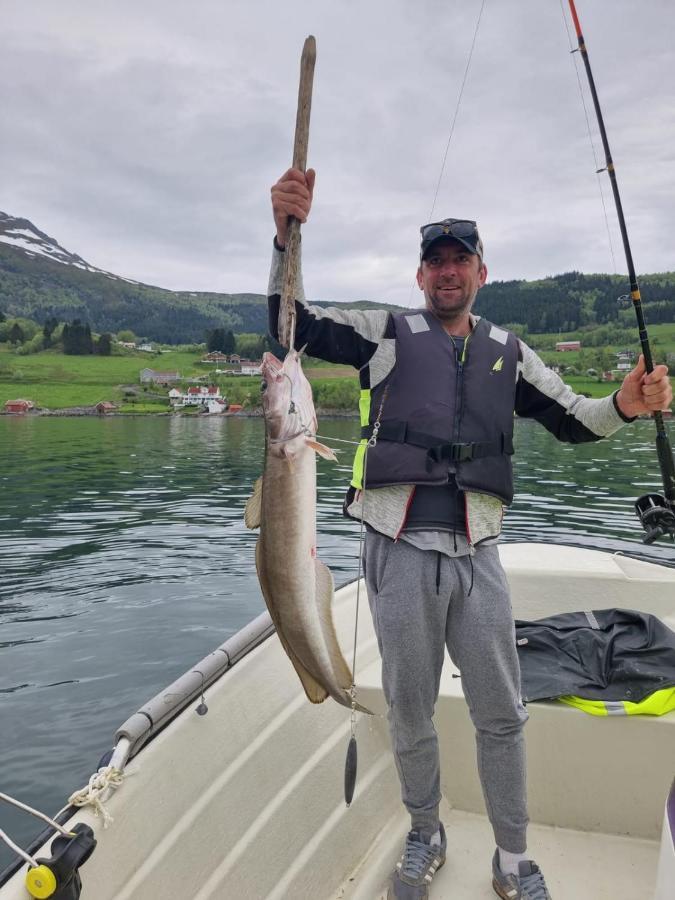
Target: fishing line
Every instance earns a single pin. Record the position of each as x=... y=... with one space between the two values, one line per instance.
x=598 y=168
x=452 y=126
x=459 y=101
x=351 y=758
x=325 y=437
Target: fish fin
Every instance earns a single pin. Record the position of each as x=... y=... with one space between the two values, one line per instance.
x=324 y=602
x=253 y=510
x=321 y=449
x=315 y=692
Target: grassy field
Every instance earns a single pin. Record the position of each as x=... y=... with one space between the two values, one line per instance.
x=96 y=369
x=661 y=338
x=54 y=381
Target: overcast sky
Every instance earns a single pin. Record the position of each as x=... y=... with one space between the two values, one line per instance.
x=145 y=136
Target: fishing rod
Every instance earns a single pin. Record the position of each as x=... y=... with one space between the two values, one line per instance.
x=655 y=511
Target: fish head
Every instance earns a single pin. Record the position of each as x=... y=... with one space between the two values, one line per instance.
x=287 y=404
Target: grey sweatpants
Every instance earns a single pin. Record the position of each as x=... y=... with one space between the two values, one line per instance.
x=421 y=602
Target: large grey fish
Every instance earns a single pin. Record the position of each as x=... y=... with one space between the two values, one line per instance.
x=298 y=587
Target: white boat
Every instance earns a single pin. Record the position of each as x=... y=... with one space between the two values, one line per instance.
x=246 y=801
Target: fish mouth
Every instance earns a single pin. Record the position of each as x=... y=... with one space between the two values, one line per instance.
x=270 y=364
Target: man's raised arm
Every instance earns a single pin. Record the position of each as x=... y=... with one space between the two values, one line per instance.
x=344 y=336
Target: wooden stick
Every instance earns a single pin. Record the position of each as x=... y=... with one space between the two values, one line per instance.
x=287 y=307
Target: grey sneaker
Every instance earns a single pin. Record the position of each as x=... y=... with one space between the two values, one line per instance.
x=417 y=866
x=528 y=884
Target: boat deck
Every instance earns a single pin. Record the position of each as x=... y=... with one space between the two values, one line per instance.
x=247 y=801
x=577 y=864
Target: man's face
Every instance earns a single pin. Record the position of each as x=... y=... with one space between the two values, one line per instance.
x=450 y=277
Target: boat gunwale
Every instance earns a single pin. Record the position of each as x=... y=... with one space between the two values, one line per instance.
x=233 y=653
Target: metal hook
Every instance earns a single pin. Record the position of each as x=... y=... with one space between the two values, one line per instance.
x=202 y=709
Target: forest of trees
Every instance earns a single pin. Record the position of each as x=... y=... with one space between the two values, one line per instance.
x=75 y=338
x=568 y=302
x=220 y=339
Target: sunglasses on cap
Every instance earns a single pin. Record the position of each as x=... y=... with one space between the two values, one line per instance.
x=463 y=230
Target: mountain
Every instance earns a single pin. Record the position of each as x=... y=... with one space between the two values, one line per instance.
x=22 y=234
x=40 y=279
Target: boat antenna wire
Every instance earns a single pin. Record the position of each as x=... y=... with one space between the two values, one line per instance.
x=452 y=127
x=655 y=511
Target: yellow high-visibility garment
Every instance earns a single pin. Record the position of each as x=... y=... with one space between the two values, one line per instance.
x=657 y=704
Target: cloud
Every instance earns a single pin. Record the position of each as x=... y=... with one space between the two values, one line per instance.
x=145 y=137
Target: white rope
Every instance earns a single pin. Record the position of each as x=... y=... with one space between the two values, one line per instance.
x=106 y=779
x=36 y=813
x=19 y=852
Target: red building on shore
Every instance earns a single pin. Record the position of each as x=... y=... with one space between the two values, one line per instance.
x=19 y=406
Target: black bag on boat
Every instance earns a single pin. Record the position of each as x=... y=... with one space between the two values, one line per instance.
x=609 y=654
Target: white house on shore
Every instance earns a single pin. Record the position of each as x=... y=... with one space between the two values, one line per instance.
x=208 y=397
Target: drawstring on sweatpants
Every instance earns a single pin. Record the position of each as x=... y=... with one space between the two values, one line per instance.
x=438 y=572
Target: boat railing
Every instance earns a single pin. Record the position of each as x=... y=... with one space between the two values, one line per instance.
x=156 y=714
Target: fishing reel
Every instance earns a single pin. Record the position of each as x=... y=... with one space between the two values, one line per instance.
x=58 y=877
x=657 y=517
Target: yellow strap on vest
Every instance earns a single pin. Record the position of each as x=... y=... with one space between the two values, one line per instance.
x=657 y=704
x=364 y=415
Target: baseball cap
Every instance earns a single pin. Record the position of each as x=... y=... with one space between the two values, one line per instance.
x=463 y=230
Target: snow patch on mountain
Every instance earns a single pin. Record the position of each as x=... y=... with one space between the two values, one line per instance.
x=24 y=236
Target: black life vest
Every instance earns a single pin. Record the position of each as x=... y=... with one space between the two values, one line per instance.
x=443 y=412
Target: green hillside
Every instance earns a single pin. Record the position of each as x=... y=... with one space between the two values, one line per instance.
x=38 y=288
x=566 y=303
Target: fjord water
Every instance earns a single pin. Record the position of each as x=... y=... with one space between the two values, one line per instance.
x=125 y=560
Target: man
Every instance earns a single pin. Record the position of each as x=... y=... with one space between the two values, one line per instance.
x=439 y=389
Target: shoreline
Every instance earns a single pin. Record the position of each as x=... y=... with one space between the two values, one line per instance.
x=256 y=413
x=92 y=412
